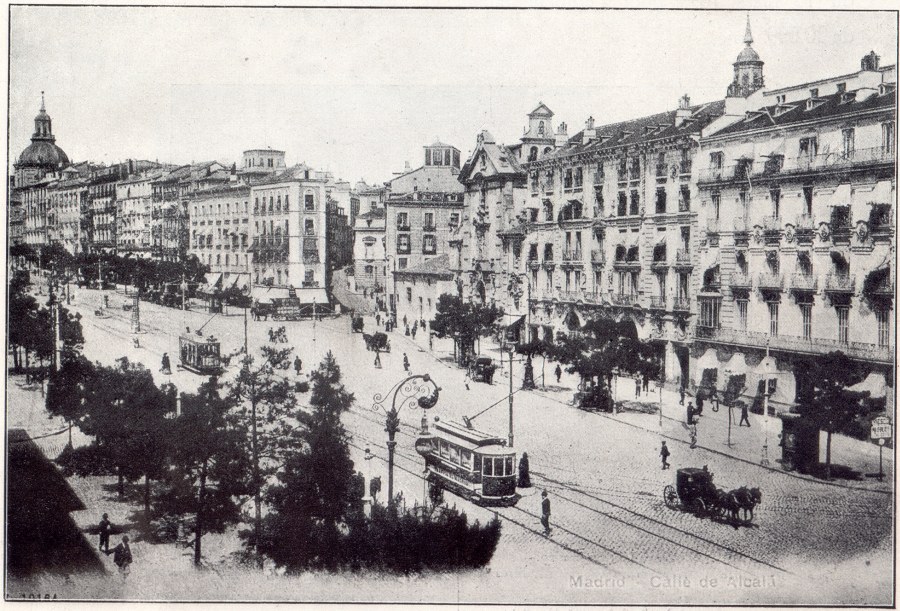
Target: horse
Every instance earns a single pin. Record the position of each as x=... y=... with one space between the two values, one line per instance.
x=736 y=500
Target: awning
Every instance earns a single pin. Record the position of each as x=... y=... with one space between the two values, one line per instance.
x=261 y=294
x=213 y=279
x=242 y=281
x=874 y=384
x=515 y=323
x=309 y=295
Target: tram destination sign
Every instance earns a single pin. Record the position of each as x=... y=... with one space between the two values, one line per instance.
x=881 y=428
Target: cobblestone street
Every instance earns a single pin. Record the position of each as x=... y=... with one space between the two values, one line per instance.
x=611 y=528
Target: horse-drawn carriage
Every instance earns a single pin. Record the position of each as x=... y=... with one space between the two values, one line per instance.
x=356 y=325
x=481 y=369
x=377 y=342
x=694 y=491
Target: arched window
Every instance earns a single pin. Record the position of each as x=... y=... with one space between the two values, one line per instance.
x=541 y=128
x=532 y=156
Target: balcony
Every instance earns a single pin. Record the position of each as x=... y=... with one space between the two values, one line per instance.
x=572 y=256
x=804 y=282
x=771 y=223
x=402 y=226
x=683 y=258
x=657 y=303
x=712 y=226
x=624 y=299
x=597 y=258
x=838 y=160
x=548 y=264
x=310 y=284
x=770 y=281
x=534 y=263
x=662 y=170
x=790 y=343
x=684 y=166
x=682 y=304
x=725 y=174
x=429 y=229
x=571 y=296
x=740 y=225
x=840 y=283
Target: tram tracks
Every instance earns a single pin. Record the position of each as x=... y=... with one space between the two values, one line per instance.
x=704 y=550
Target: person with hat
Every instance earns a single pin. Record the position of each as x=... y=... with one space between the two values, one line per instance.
x=664 y=453
x=122 y=556
x=105 y=527
x=545 y=513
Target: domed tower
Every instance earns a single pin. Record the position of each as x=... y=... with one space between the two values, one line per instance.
x=42 y=155
x=748 y=69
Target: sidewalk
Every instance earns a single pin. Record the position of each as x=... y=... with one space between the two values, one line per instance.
x=754 y=444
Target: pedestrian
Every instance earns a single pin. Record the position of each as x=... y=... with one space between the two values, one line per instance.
x=558 y=373
x=744 y=414
x=405 y=322
x=681 y=395
x=690 y=413
x=166 y=364
x=646 y=385
x=105 y=527
x=699 y=404
x=693 y=436
x=407 y=330
x=377 y=320
x=405 y=363
x=664 y=453
x=122 y=557
x=137 y=343
x=637 y=387
x=414 y=331
x=524 y=474
x=545 y=513
x=298 y=365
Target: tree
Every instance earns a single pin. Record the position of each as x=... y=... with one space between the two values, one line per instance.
x=465 y=322
x=22 y=313
x=208 y=465
x=831 y=406
x=125 y=414
x=271 y=420
x=598 y=351
x=67 y=390
x=536 y=347
x=317 y=490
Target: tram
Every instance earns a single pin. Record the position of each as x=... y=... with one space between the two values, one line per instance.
x=470 y=463
x=200 y=355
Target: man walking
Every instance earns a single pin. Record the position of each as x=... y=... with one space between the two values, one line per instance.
x=744 y=414
x=693 y=436
x=558 y=373
x=298 y=365
x=122 y=557
x=105 y=527
x=405 y=363
x=690 y=413
x=681 y=395
x=664 y=453
x=637 y=388
x=545 y=513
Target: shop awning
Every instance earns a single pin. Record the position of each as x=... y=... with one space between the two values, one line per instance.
x=874 y=384
x=261 y=294
x=310 y=295
x=213 y=278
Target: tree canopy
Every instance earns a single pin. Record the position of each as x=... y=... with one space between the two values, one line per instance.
x=464 y=322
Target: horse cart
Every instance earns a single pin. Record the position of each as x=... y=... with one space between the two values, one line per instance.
x=481 y=369
x=695 y=492
x=377 y=342
x=357 y=324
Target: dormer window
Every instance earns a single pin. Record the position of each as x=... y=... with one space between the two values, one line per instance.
x=841 y=87
x=814 y=93
x=779 y=99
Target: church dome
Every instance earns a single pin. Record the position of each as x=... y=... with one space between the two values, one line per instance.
x=43 y=154
x=748 y=54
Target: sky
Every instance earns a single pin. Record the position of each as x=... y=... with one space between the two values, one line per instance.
x=360 y=92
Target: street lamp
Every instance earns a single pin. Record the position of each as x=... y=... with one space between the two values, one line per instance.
x=417 y=390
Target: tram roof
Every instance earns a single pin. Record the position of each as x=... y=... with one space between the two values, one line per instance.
x=479 y=438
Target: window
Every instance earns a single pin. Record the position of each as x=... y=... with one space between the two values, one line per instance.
x=775 y=195
x=278 y=204
x=715 y=160
x=887 y=137
x=709 y=313
x=806 y=320
x=402 y=219
x=814 y=93
x=309 y=202
x=579 y=178
x=567 y=179
x=848 y=142
x=309 y=227
x=716 y=204
x=568 y=280
x=773 y=318
x=454 y=219
x=809 y=147
x=660 y=200
x=843 y=314
x=429 y=245
x=429 y=221
x=742 y=314
x=635 y=203
x=271 y=204
x=841 y=87
x=409 y=294
x=779 y=99
x=684 y=198
x=807 y=199
x=403 y=244
x=623 y=204
x=884 y=327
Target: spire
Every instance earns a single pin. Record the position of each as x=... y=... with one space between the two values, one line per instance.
x=42 y=102
x=748 y=35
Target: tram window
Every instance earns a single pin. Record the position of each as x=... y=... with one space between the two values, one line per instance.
x=509 y=465
x=488 y=465
x=466 y=458
x=445 y=448
x=477 y=464
x=454 y=454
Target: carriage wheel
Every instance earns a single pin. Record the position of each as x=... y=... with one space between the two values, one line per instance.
x=670 y=497
x=700 y=508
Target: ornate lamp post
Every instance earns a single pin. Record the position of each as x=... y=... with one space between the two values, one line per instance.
x=414 y=391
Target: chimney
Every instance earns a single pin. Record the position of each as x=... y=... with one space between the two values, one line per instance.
x=590 y=132
x=869 y=62
x=684 y=110
x=562 y=135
